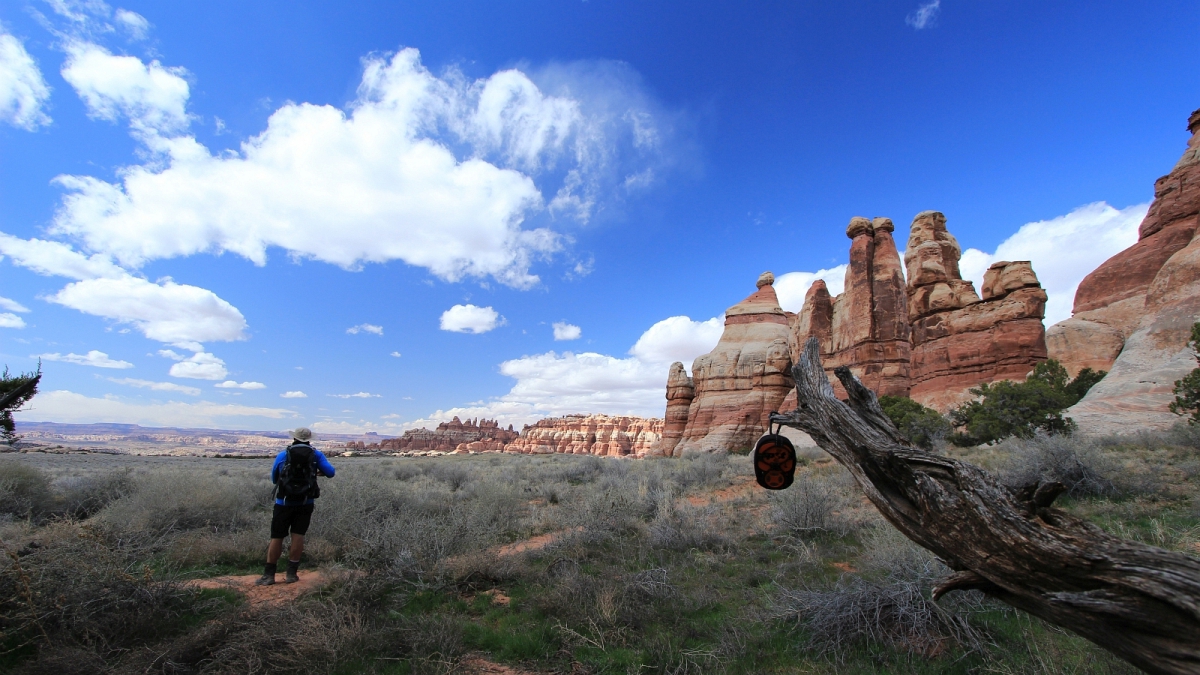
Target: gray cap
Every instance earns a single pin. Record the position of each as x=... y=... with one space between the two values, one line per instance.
x=302 y=434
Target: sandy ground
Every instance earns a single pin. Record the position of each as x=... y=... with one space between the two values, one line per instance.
x=310 y=580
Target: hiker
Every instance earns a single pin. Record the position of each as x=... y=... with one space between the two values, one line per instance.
x=295 y=477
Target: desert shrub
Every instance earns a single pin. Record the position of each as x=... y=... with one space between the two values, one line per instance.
x=889 y=604
x=814 y=505
x=680 y=527
x=1022 y=409
x=83 y=496
x=24 y=490
x=701 y=469
x=1071 y=461
x=452 y=475
x=161 y=501
x=923 y=427
x=1187 y=389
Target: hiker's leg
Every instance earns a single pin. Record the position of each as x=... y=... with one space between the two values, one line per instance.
x=274 y=550
x=297 y=548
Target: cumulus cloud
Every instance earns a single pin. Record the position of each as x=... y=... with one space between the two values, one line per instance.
x=924 y=15
x=94 y=358
x=470 y=319
x=156 y=386
x=566 y=331
x=293 y=394
x=10 y=320
x=373 y=183
x=72 y=408
x=677 y=338
x=230 y=384
x=792 y=286
x=365 y=327
x=361 y=394
x=163 y=310
x=396 y=354
x=12 y=305
x=198 y=366
x=1063 y=250
x=23 y=90
x=152 y=97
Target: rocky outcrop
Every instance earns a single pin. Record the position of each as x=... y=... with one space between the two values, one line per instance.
x=680 y=393
x=960 y=340
x=448 y=437
x=604 y=435
x=866 y=327
x=744 y=378
x=1110 y=304
x=1149 y=295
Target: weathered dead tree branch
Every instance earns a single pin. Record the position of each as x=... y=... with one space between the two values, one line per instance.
x=1140 y=602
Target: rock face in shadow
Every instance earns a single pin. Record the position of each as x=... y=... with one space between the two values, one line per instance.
x=680 y=393
x=604 y=435
x=1147 y=295
x=866 y=327
x=960 y=340
x=744 y=378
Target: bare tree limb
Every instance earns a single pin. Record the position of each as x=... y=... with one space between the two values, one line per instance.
x=1140 y=602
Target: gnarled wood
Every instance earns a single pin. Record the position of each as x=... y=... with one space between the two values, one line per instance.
x=1140 y=602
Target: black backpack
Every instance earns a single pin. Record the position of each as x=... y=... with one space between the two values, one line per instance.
x=298 y=474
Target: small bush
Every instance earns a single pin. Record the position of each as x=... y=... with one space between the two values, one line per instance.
x=184 y=500
x=24 y=490
x=1187 y=390
x=814 y=505
x=1070 y=461
x=680 y=527
x=83 y=496
x=923 y=427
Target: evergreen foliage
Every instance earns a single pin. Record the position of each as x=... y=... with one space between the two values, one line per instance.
x=1187 y=390
x=1022 y=409
x=922 y=426
x=15 y=391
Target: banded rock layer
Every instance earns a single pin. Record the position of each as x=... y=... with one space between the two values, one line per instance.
x=604 y=435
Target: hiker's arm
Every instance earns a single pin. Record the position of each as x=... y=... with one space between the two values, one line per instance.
x=323 y=466
x=275 y=467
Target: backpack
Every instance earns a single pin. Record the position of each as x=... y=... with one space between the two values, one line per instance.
x=298 y=474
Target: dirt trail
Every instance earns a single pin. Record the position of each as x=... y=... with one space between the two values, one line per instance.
x=478 y=665
x=310 y=580
x=742 y=486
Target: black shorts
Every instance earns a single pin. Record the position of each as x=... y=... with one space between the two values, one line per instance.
x=294 y=517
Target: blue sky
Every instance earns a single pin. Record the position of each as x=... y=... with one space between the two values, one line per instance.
x=373 y=218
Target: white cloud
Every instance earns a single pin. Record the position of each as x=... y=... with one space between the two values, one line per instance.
x=163 y=311
x=365 y=327
x=132 y=23
x=396 y=354
x=470 y=319
x=677 y=338
x=10 y=320
x=792 y=286
x=156 y=386
x=361 y=394
x=93 y=358
x=153 y=97
x=69 y=407
x=230 y=384
x=375 y=182
x=198 y=366
x=23 y=90
x=923 y=15
x=293 y=394
x=566 y=331
x=12 y=305
x=1063 y=250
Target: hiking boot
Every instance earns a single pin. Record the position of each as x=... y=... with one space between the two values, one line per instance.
x=268 y=577
x=292 y=569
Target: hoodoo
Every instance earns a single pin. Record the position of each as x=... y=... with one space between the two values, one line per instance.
x=1133 y=314
x=605 y=435
x=744 y=378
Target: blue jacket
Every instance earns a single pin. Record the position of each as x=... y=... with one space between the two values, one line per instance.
x=324 y=468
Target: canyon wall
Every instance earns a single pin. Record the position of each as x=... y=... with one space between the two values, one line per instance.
x=448 y=437
x=1133 y=314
